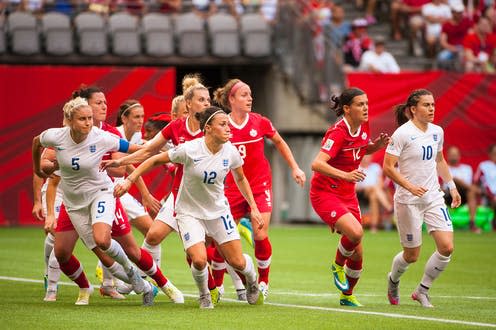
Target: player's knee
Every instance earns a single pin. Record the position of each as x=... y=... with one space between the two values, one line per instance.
x=153 y=238
x=199 y=262
x=62 y=256
x=102 y=243
x=410 y=257
x=356 y=235
x=237 y=262
x=446 y=250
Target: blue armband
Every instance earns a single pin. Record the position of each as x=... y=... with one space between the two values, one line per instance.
x=123 y=145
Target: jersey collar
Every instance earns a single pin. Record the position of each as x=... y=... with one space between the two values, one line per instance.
x=243 y=124
x=189 y=131
x=359 y=130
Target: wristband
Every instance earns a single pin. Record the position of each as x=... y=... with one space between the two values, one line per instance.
x=451 y=185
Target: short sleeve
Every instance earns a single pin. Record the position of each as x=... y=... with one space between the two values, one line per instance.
x=268 y=129
x=111 y=141
x=178 y=154
x=396 y=145
x=332 y=143
x=48 y=138
x=441 y=141
x=236 y=160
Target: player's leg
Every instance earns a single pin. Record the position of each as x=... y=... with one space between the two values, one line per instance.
x=353 y=270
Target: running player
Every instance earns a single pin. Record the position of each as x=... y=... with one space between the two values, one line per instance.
x=332 y=191
x=414 y=160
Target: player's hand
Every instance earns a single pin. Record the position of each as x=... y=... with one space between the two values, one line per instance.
x=256 y=218
x=37 y=211
x=299 y=176
x=456 y=200
x=417 y=190
x=382 y=141
x=122 y=188
x=50 y=224
x=152 y=205
x=355 y=175
x=41 y=174
x=109 y=163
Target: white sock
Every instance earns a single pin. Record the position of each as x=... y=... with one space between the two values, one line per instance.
x=49 y=241
x=201 y=279
x=116 y=252
x=238 y=284
x=155 y=251
x=249 y=271
x=433 y=268
x=108 y=279
x=53 y=272
x=118 y=271
x=398 y=267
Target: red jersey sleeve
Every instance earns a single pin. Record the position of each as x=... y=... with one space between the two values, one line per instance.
x=268 y=129
x=332 y=142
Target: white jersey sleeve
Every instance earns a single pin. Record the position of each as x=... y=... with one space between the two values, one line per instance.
x=178 y=154
x=236 y=159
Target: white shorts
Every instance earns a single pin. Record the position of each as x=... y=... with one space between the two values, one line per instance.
x=56 y=207
x=193 y=230
x=166 y=213
x=101 y=209
x=132 y=206
x=411 y=216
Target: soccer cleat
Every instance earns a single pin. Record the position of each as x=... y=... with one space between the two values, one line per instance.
x=339 y=275
x=215 y=295
x=50 y=295
x=241 y=294
x=99 y=273
x=84 y=296
x=136 y=280
x=173 y=293
x=349 y=300
x=264 y=289
x=422 y=298
x=123 y=287
x=110 y=291
x=149 y=296
x=246 y=230
x=393 y=291
x=253 y=295
x=206 y=301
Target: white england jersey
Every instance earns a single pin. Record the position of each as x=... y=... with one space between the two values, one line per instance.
x=137 y=137
x=417 y=152
x=79 y=163
x=201 y=193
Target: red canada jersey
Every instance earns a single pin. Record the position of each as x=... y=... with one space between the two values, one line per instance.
x=178 y=132
x=346 y=152
x=248 y=138
x=111 y=129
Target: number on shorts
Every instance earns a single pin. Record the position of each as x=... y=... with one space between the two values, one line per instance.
x=446 y=215
x=101 y=207
x=227 y=222
x=209 y=177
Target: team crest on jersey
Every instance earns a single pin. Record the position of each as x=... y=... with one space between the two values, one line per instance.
x=186 y=237
x=409 y=237
x=328 y=144
x=333 y=214
x=253 y=132
x=434 y=136
x=92 y=148
x=225 y=162
x=364 y=136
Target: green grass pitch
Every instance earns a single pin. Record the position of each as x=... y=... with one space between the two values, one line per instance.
x=302 y=295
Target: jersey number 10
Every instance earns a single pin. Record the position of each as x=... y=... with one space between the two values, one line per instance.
x=426 y=152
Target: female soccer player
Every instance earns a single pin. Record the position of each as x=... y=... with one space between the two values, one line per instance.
x=201 y=206
x=414 y=160
x=248 y=131
x=332 y=191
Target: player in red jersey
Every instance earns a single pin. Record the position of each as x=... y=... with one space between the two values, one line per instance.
x=248 y=132
x=332 y=192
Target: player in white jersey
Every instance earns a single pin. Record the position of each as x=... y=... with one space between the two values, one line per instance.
x=416 y=147
x=201 y=205
x=87 y=192
x=485 y=184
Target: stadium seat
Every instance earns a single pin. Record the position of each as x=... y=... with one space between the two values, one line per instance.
x=256 y=35
x=23 y=33
x=3 y=44
x=57 y=33
x=224 y=35
x=158 y=34
x=124 y=34
x=92 y=34
x=190 y=32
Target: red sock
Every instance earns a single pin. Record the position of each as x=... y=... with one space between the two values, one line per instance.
x=148 y=265
x=353 y=267
x=218 y=273
x=348 y=246
x=72 y=268
x=210 y=252
x=263 y=254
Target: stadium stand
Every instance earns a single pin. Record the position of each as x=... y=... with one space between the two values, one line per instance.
x=224 y=36
x=256 y=35
x=190 y=33
x=92 y=34
x=23 y=33
x=3 y=43
x=124 y=34
x=57 y=34
x=158 y=34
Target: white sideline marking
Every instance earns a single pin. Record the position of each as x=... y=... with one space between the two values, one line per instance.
x=318 y=308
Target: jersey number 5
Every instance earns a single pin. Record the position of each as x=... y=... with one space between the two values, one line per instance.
x=75 y=163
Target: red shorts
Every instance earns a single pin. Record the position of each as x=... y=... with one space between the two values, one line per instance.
x=120 y=226
x=239 y=206
x=331 y=207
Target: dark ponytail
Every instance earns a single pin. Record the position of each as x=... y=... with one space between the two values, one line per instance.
x=346 y=98
x=403 y=112
x=86 y=91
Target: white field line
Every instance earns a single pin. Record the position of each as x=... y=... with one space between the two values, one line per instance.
x=318 y=308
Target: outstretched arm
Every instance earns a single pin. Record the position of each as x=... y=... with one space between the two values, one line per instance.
x=381 y=142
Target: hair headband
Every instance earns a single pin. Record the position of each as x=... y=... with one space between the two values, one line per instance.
x=212 y=115
x=236 y=86
x=134 y=105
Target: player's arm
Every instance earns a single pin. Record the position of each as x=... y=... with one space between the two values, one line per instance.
x=244 y=188
x=144 y=167
x=150 y=202
x=283 y=148
x=51 y=193
x=37 y=210
x=389 y=169
x=443 y=171
x=320 y=164
x=36 y=150
x=380 y=142
x=49 y=162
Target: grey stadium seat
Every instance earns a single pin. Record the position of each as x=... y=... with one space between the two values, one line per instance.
x=191 y=37
x=23 y=33
x=92 y=34
x=224 y=35
x=124 y=34
x=256 y=35
x=57 y=32
x=158 y=33
x=3 y=44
